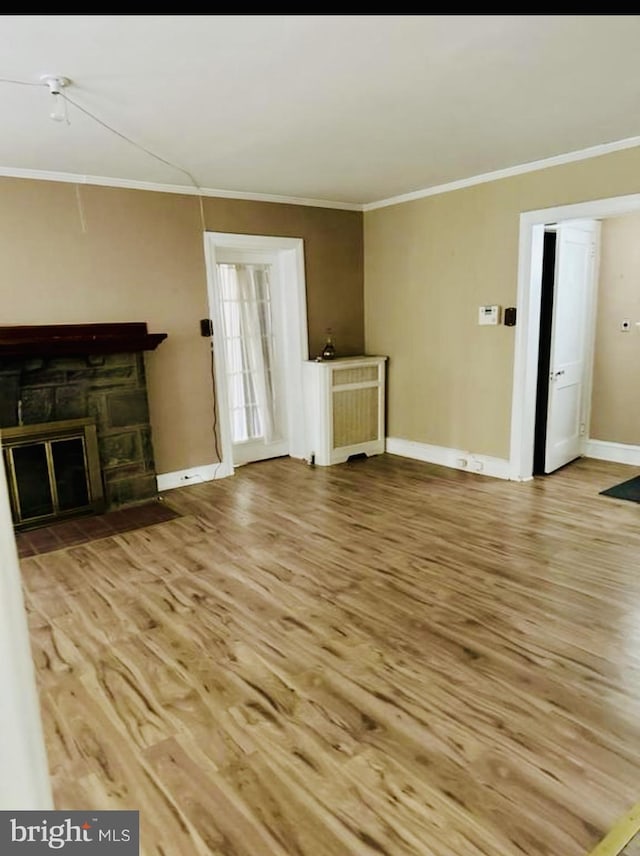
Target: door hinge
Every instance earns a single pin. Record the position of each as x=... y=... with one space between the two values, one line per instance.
x=582 y=429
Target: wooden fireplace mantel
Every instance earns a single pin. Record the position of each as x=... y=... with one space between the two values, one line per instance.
x=55 y=340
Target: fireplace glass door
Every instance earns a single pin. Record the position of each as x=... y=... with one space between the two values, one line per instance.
x=53 y=471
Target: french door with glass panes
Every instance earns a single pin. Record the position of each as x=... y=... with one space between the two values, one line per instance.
x=250 y=310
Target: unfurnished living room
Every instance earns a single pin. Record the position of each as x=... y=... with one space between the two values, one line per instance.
x=320 y=472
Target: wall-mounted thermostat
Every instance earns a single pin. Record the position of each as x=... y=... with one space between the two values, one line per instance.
x=489 y=315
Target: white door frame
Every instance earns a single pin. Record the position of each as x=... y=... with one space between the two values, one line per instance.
x=291 y=256
x=525 y=369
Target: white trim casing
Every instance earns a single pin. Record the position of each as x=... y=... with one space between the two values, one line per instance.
x=509 y=172
x=527 y=342
x=619 y=453
x=434 y=190
x=592 y=319
x=446 y=457
x=183 y=189
x=219 y=377
x=193 y=475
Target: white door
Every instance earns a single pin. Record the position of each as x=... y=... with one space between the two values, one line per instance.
x=251 y=325
x=570 y=342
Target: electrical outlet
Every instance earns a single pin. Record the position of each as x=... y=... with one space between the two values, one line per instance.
x=462 y=463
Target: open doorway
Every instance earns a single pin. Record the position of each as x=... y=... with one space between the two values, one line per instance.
x=257 y=301
x=527 y=347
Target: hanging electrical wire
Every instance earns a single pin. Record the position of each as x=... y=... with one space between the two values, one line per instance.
x=129 y=140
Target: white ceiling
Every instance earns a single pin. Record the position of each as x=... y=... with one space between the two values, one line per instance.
x=342 y=108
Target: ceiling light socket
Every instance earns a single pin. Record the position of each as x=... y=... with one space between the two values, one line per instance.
x=55 y=82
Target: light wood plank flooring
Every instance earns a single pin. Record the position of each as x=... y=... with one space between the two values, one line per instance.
x=382 y=657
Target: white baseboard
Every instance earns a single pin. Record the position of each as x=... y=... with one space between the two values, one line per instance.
x=194 y=475
x=620 y=453
x=457 y=458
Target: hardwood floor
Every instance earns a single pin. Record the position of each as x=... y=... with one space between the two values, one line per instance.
x=382 y=657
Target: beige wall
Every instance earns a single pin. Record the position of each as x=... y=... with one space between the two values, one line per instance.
x=429 y=264
x=89 y=253
x=615 y=404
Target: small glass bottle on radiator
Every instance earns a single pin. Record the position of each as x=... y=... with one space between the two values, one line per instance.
x=329 y=350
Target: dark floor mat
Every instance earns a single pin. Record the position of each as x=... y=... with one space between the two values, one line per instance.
x=629 y=489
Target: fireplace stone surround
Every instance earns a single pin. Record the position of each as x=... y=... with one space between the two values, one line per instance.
x=66 y=372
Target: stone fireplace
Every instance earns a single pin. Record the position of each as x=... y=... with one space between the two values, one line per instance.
x=54 y=376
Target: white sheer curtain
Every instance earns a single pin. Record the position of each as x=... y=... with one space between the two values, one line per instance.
x=246 y=301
